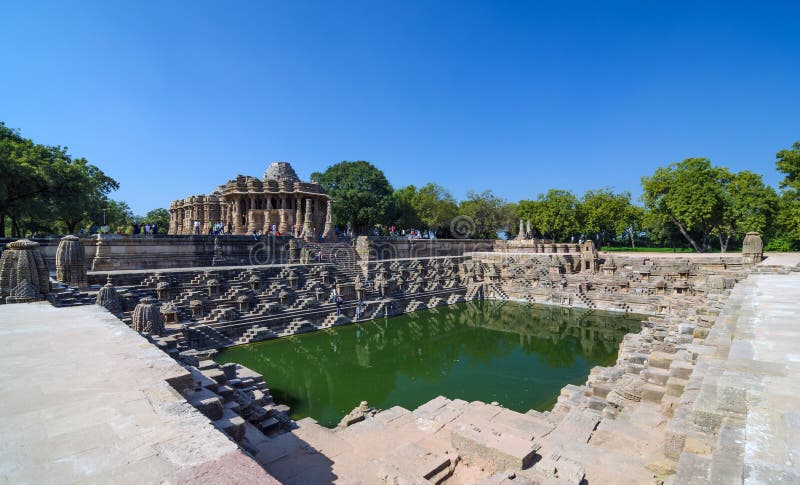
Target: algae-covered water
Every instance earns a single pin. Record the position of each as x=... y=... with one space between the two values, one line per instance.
x=518 y=354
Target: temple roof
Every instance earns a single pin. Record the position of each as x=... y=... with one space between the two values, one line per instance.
x=281 y=171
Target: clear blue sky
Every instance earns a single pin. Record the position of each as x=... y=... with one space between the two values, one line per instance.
x=173 y=98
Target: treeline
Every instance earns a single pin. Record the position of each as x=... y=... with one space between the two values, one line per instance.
x=692 y=204
x=44 y=190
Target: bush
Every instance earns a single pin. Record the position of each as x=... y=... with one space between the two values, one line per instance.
x=780 y=244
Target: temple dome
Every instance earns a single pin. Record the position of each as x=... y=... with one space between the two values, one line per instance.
x=281 y=171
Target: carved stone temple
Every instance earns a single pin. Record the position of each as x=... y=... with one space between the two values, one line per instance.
x=250 y=204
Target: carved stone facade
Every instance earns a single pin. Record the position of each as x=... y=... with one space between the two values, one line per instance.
x=23 y=273
x=248 y=204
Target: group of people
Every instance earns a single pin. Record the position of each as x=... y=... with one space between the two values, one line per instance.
x=146 y=229
x=212 y=228
x=395 y=233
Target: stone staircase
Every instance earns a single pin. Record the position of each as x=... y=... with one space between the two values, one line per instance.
x=63 y=296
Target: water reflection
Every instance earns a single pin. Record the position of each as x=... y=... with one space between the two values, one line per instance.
x=518 y=354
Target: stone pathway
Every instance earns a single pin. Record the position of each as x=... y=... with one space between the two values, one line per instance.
x=86 y=400
x=748 y=407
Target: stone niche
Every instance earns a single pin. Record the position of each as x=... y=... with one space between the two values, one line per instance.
x=71 y=262
x=23 y=273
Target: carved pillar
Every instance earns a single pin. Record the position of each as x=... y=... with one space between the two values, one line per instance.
x=298 y=216
x=284 y=228
x=252 y=221
x=308 y=223
x=267 y=220
x=329 y=233
x=237 y=216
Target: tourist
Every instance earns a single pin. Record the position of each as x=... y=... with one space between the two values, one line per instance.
x=338 y=306
x=154 y=229
x=358 y=312
x=230 y=229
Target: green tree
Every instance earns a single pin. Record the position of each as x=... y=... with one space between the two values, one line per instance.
x=362 y=195
x=405 y=215
x=750 y=205
x=788 y=163
x=608 y=214
x=788 y=218
x=691 y=195
x=487 y=215
x=434 y=206
x=76 y=185
x=159 y=217
x=555 y=215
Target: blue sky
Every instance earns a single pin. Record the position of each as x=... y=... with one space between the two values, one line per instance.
x=174 y=98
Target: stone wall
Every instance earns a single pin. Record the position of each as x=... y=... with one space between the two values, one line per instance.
x=111 y=253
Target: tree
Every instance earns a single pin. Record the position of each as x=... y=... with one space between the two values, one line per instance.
x=159 y=217
x=788 y=163
x=404 y=213
x=44 y=188
x=362 y=195
x=788 y=219
x=554 y=215
x=76 y=185
x=434 y=206
x=750 y=205
x=691 y=195
x=608 y=214
x=487 y=214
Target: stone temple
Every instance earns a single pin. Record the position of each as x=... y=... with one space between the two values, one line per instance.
x=249 y=204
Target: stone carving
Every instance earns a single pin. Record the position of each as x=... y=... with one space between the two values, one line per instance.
x=521 y=233
x=71 y=262
x=752 y=248
x=147 y=316
x=170 y=312
x=329 y=234
x=23 y=273
x=108 y=298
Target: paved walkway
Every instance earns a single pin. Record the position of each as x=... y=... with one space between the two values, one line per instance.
x=748 y=407
x=85 y=400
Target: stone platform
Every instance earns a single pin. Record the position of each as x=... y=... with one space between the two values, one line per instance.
x=87 y=400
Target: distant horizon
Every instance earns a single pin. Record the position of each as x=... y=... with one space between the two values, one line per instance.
x=172 y=100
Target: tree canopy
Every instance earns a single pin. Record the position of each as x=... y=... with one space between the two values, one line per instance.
x=362 y=194
x=43 y=188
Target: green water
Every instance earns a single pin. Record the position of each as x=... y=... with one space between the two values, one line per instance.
x=518 y=354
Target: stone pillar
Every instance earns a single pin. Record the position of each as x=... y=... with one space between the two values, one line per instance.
x=283 y=227
x=298 y=216
x=252 y=220
x=23 y=273
x=521 y=234
x=329 y=233
x=237 y=216
x=267 y=219
x=308 y=223
x=71 y=262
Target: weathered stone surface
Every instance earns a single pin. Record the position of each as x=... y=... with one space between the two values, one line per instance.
x=97 y=408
